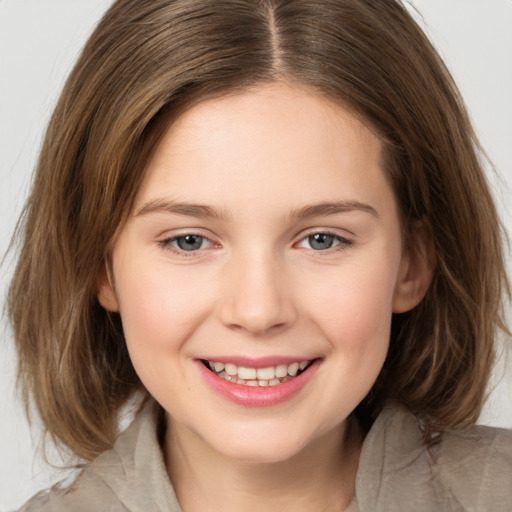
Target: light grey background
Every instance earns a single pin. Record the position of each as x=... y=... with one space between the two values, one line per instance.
x=39 y=41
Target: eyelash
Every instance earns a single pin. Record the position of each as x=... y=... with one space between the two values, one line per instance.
x=343 y=243
x=167 y=244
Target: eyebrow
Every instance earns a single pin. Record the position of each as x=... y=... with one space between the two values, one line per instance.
x=183 y=208
x=332 y=208
x=204 y=211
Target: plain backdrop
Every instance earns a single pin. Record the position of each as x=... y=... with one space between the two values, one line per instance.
x=39 y=41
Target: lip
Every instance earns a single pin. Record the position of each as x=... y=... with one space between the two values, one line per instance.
x=264 y=396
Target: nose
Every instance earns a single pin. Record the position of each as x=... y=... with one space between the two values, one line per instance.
x=257 y=298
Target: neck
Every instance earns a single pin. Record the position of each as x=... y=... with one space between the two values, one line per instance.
x=320 y=477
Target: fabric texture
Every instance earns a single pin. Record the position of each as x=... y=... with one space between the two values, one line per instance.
x=469 y=470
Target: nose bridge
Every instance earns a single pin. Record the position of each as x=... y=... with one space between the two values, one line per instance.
x=256 y=296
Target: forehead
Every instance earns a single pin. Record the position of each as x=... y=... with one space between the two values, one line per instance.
x=272 y=137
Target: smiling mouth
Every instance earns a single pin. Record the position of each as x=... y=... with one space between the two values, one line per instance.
x=258 y=377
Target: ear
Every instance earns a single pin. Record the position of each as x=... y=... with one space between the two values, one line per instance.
x=106 y=291
x=416 y=268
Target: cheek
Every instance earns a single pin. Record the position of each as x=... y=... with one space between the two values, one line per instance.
x=160 y=309
x=355 y=310
x=160 y=312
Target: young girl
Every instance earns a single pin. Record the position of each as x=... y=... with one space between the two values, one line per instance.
x=268 y=219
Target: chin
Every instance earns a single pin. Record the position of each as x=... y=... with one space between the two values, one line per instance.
x=271 y=451
x=262 y=443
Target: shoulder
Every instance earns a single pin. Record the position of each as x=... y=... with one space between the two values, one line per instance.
x=468 y=469
x=474 y=466
x=91 y=490
x=130 y=476
x=86 y=493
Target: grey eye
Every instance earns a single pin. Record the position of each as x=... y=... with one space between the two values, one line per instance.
x=321 y=241
x=189 y=242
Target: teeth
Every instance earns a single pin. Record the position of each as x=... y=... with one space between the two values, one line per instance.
x=266 y=373
x=231 y=369
x=218 y=367
x=281 y=371
x=293 y=369
x=270 y=376
x=246 y=373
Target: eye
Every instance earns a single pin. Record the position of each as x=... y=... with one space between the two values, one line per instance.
x=187 y=243
x=324 y=241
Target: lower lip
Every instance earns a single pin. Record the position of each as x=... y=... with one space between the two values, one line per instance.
x=258 y=396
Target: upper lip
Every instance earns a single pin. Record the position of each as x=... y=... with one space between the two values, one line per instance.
x=259 y=362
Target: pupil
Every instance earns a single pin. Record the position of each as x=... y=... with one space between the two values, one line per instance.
x=189 y=242
x=321 y=241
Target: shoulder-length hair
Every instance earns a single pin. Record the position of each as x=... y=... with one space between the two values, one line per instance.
x=146 y=62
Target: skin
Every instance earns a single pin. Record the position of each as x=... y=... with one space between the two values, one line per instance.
x=257 y=287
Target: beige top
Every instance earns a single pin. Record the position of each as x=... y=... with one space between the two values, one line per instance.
x=470 y=470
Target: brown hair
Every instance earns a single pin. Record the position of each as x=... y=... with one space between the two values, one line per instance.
x=147 y=61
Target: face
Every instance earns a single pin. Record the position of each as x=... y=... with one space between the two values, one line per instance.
x=257 y=274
